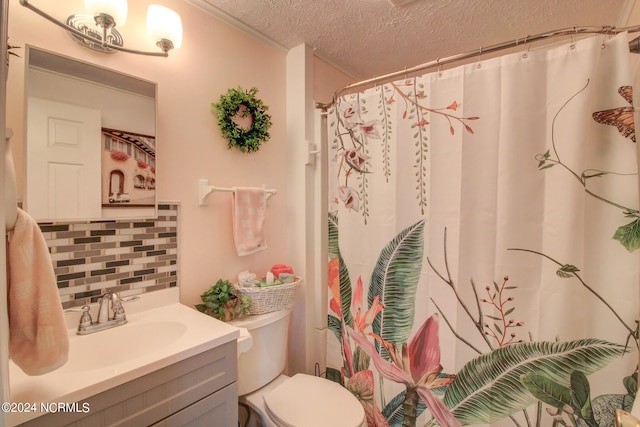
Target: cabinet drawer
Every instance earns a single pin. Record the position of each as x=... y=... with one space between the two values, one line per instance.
x=219 y=409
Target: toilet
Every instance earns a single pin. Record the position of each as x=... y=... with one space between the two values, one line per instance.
x=281 y=401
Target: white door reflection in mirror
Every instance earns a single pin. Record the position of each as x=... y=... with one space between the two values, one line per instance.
x=63 y=149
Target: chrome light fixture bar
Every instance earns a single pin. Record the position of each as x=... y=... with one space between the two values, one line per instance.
x=98 y=32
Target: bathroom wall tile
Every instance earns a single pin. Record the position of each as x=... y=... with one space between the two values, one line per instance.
x=86 y=226
x=67 y=248
x=116 y=225
x=86 y=240
x=61 y=256
x=143 y=284
x=66 y=262
x=103 y=245
x=130 y=257
x=51 y=227
x=129 y=280
x=70 y=276
x=104 y=258
x=69 y=234
x=118 y=251
x=86 y=254
x=86 y=267
x=155 y=253
x=143 y=236
x=118 y=263
x=167 y=268
x=103 y=232
x=143 y=224
x=58 y=241
x=131 y=243
x=118 y=276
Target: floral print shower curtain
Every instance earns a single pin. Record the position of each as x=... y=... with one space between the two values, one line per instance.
x=483 y=242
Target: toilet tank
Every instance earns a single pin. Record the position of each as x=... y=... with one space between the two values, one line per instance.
x=266 y=358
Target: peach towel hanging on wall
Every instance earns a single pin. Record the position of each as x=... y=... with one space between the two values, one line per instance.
x=248 y=212
x=38 y=339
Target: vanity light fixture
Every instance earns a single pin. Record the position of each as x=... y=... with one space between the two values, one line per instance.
x=97 y=30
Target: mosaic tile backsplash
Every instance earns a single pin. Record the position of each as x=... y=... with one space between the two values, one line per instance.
x=130 y=257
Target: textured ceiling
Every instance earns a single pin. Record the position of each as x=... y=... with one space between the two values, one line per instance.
x=369 y=38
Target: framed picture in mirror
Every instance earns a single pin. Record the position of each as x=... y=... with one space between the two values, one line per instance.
x=128 y=169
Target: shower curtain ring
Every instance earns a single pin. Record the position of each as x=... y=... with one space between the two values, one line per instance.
x=479 y=58
x=525 y=54
x=572 y=46
x=608 y=32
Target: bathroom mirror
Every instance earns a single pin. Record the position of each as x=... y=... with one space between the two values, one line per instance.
x=90 y=150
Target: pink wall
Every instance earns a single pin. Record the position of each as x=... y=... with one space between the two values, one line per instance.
x=214 y=57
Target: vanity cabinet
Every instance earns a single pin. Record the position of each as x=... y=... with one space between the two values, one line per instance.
x=198 y=391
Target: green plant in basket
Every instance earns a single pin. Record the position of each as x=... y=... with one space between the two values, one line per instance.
x=222 y=302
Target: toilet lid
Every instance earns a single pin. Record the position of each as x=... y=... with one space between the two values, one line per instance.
x=305 y=400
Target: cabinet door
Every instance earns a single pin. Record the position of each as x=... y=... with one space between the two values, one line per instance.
x=163 y=394
x=219 y=409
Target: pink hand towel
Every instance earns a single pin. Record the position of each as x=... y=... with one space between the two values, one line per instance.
x=38 y=338
x=248 y=211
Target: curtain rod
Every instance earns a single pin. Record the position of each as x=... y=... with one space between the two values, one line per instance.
x=634 y=47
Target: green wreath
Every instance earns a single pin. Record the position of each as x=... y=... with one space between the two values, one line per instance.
x=238 y=103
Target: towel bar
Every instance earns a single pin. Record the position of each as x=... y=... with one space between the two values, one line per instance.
x=204 y=189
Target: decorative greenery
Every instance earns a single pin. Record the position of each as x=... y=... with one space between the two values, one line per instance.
x=628 y=234
x=498 y=383
x=238 y=102
x=10 y=51
x=222 y=302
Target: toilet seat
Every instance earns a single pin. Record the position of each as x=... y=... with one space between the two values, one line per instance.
x=309 y=401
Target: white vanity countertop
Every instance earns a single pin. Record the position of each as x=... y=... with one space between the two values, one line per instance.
x=160 y=331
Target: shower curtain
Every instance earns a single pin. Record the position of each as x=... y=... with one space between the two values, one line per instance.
x=483 y=242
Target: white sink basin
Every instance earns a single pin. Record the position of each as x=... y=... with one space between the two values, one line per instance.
x=118 y=345
x=152 y=339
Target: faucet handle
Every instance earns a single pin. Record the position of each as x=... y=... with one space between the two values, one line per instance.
x=114 y=296
x=118 y=311
x=85 y=318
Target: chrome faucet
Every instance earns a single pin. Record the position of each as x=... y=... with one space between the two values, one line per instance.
x=109 y=304
x=110 y=314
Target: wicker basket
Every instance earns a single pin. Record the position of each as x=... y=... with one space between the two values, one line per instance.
x=270 y=298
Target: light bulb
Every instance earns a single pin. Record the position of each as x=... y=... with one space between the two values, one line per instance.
x=164 y=23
